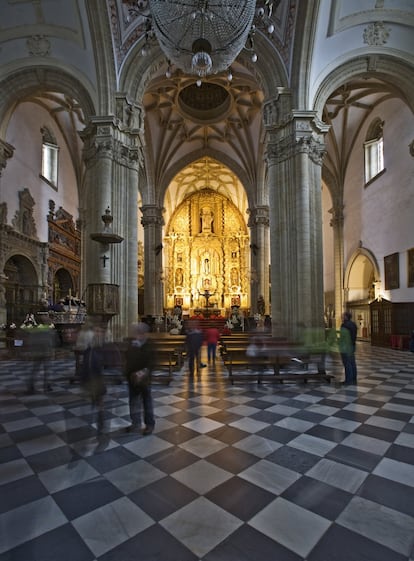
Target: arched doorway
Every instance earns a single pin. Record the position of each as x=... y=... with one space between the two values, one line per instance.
x=360 y=281
x=21 y=288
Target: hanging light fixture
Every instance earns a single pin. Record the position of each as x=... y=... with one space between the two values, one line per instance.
x=202 y=37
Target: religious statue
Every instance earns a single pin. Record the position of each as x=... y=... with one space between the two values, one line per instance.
x=206 y=216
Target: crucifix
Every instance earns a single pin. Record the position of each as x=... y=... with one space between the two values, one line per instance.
x=104 y=258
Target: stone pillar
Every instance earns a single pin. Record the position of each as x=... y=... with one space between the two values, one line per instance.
x=6 y=152
x=294 y=155
x=153 y=221
x=112 y=154
x=259 y=257
x=337 y=223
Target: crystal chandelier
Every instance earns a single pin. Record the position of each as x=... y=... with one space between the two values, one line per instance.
x=202 y=37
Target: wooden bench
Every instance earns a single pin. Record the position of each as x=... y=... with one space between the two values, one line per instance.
x=276 y=364
x=166 y=361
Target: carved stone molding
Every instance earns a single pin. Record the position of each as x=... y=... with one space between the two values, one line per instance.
x=105 y=139
x=23 y=220
x=376 y=34
x=152 y=215
x=337 y=216
x=258 y=215
x=38 y=45
x=6 y=152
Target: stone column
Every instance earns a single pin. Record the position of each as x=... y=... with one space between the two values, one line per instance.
x=294 y=156
x=112 y=155
x=259 y=256
x=6 y=152
x=337 y=223
x=153 y=221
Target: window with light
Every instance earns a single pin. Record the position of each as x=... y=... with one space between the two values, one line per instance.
x=50 y=156
x=374 y=151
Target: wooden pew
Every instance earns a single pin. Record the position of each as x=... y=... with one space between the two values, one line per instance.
x=276 y=361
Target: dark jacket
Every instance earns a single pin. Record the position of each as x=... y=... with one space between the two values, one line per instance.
x=139 y=357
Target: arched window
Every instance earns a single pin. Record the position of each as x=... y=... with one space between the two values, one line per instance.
x=374 y=150
x=50 y=153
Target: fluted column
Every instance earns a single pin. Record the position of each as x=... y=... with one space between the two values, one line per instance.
x=337 y=223
x=259 y=256
x=152 y=221
x=112 y=156
x=294 y=157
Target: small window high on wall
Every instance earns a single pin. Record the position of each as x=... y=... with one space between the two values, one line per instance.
x=374 y=150
x=50 y=154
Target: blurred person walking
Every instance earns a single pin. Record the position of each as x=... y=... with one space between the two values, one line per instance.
x=138 y=370
x=212 y=338
x=347 y=344
x=40 y=342
x=92 y=372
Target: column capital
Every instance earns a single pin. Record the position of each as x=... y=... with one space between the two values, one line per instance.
x=104 y=137
x=301 y=133
x=6 y=152
x=152 y=214
x=258 y=215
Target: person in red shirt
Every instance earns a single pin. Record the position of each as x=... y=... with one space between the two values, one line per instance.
x=212 y=338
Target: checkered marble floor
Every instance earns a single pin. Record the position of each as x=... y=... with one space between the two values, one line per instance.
x=289 y=472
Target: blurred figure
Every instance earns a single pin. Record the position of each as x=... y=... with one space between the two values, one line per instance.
x=85 y=336
x=347 y=342
x=40 y=342
x=194 y=342
x=411 y=343
x=139 y=356
x=92 y=372
x=212 y=338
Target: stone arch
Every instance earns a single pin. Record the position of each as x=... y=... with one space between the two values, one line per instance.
x=197 y=155
x=362 y=268
x=392 y=71
x=21 y=287
x=24 y=83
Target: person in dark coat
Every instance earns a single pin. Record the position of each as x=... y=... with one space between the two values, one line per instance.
x=347 y=342
x=140 y=356
x=194 y=342
x=92 y=373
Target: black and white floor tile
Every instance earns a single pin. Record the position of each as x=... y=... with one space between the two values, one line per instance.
x=277 y=472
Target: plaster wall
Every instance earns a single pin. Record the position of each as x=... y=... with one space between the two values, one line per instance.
x=379 y=216
x=24 y=168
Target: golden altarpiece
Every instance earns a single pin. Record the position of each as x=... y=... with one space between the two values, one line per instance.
x=206 y=256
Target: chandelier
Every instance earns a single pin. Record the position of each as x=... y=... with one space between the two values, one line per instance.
x=201 y=37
